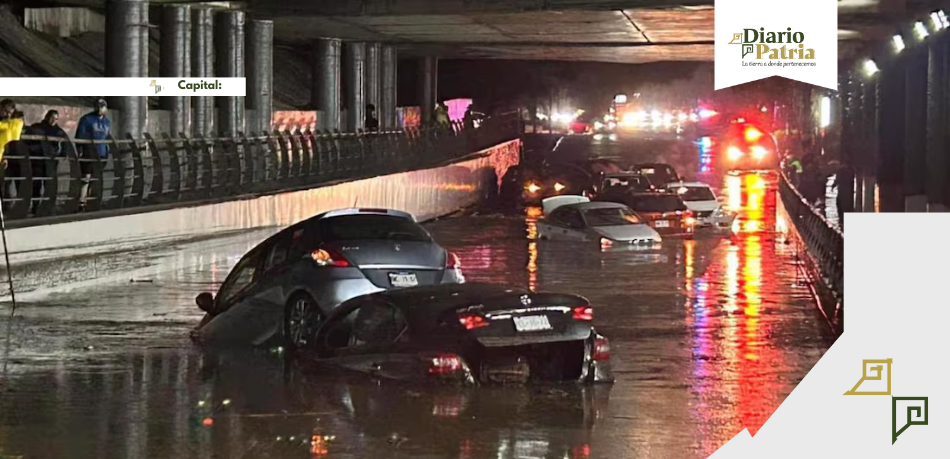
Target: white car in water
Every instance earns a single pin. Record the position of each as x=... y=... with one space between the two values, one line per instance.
x=576 y=218
x=703 y=202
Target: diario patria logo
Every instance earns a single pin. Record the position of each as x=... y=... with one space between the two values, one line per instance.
x=158 y=87
x=765 y=45
x=877 y=375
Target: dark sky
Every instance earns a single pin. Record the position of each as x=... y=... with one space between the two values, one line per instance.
x=586 y=85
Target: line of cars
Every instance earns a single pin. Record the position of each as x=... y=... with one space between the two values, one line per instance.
x=369 y=290
x=627 y=207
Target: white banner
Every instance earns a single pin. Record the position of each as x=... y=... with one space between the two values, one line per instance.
x=758 y=39
x=103 y=87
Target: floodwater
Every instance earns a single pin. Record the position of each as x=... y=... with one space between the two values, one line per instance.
x=708 y=336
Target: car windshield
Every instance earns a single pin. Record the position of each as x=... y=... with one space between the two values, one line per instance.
x=660 y=203
x=661 y=173
x=386 y=227
x=611 y=217
x=698 y=193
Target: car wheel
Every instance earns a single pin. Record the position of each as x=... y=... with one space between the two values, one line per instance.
x=302 y=317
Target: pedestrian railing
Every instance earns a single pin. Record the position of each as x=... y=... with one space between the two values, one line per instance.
x=823 y=243
x=48 y=176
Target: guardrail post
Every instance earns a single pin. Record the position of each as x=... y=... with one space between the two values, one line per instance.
x=249 y=161
x=207 y=166
x=20 y=182
x=309 y=144
x=47 y=165
x=157 y=191
x=175 y=169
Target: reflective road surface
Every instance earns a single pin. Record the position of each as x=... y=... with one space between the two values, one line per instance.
x=708 y=336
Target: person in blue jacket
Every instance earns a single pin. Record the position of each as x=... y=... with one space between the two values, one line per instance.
x=93 y=126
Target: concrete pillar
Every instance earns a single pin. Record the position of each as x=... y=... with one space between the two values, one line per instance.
x=354 y=58
x=260 y=74
x=938 y=122
x=202 y=66
x=371 y=75
x=915 y=130
x=325 y=89
x=389 y=88
x=229 y=63
x=127 y=57
x=176 y=63
x=428 y=87
x=892 y=127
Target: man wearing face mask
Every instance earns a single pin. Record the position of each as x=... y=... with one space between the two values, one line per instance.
x=93 y=126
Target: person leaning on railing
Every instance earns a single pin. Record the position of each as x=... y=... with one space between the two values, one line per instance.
x=94 y=126
x=55 y=136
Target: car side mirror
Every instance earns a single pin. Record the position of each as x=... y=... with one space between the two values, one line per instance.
x=205 y=302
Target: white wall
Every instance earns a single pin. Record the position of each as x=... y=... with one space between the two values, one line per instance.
x=41 y=255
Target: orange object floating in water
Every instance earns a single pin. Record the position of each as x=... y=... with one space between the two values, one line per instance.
x=207 y=422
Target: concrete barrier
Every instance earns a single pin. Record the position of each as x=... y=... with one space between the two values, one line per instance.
x=60 y=254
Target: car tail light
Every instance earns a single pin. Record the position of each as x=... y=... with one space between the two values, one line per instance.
x=601 y=349
x=585 y=313
x=472 y=321
x=328 y=257
x=444 y=364
x=452 y=261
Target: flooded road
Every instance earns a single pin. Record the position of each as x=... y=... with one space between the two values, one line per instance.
x=707 y=336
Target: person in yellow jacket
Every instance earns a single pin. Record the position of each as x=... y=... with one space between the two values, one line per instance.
x=11 y=126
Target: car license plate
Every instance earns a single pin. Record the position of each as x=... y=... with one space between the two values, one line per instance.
x=532 y=323
x=662 y=224
x=403 y=279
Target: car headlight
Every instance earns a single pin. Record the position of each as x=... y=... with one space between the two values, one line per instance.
x=734 y=153
x=533 y=187
x=759 y=152
x=559 y=186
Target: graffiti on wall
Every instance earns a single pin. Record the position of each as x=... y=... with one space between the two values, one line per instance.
x=291 y=120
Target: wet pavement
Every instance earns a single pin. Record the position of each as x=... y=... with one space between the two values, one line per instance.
x=707 y=336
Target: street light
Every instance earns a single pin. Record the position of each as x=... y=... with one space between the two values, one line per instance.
x=898 y=43
x=921 y=30
x=870 y=68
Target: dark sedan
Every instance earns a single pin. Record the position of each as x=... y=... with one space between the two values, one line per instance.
x=466 y=333
x=665 y=212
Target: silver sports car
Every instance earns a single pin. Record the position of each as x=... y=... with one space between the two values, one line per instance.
x=575 y=218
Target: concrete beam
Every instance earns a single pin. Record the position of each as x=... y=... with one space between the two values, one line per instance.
x=176 y=63
x=428 y=87
x=260 y=74
x=371 y=75
x=390 y=85
x=354 y=58
x=325 y=89
x=229 y=63
x=202 y=66
x=127 y=57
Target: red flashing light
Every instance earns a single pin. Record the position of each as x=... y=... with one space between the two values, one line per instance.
x=585 y=313
x=752 y=134
x=472 y=321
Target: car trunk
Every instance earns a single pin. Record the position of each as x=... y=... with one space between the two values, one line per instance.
x=393 y=263
x=544 y=343
x=664 y=222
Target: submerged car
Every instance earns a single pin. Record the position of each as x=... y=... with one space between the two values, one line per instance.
x=664 y=212
x=556 y=180
x=658 y=173
x=622 y=182
x=576 y=218
x=284 y=288
x=467 y=334
x=703 y=203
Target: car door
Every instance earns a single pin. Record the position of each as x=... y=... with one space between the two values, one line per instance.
x=235 y=306
x=569 y=225
x=360 y=336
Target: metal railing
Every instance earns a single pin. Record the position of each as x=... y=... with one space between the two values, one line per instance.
x=47 y=176
x=824 y=244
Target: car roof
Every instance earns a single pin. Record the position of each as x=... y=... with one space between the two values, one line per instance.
x=425 y=305
x=624 y=174
x=363 y=211
x=689 y=184
x=597 y=205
